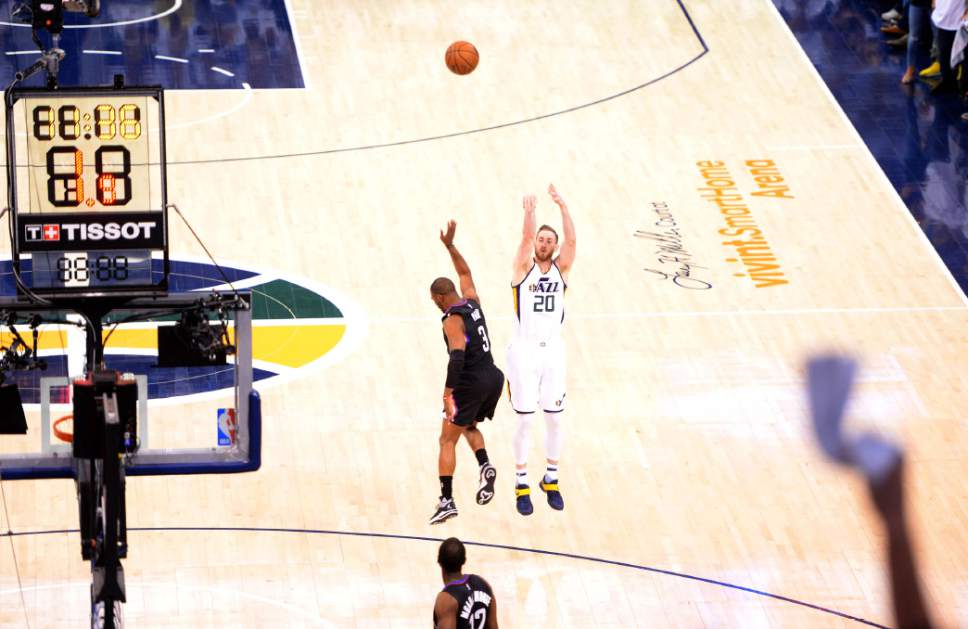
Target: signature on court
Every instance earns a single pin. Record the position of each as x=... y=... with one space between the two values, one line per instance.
x=675 y=260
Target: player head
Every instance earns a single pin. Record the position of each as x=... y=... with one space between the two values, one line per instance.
x=545 y=243
x=444 y=293
x=451 y=556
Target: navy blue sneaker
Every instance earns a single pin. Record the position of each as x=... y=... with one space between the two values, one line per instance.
x=523 y=492
x=555 y=501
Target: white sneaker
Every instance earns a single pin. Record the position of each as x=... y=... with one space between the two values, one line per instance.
x=891 y=15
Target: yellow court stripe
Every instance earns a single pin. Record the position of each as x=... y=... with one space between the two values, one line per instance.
x=295 y=345
x=287 y=345
x=46 y=340
x=133 y=338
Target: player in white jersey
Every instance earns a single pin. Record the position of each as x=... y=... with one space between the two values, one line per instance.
x=536 y=356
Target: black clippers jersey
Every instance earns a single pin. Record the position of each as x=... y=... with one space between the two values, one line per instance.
x=473 y=596
x=477 y=354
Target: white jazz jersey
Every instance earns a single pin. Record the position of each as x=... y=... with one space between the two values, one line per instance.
x=536 y=355
x=539 y=305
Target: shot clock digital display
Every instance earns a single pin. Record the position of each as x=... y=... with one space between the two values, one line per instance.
x=89 y=153
x=88 y=173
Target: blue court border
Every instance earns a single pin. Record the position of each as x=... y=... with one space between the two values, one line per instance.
x=419 y=538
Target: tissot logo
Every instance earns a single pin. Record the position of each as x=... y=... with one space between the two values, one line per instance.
x=77 y=232
x=35 y=233
x=86 y=231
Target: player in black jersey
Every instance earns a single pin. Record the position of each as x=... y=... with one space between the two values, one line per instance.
x=474 y=383
x=467 y=601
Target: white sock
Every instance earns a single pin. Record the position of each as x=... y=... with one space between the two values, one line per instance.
x=521 y=477
x=551 y=474
x=554 y=435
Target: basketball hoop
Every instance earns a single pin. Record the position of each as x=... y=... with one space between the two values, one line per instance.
x=66 y=437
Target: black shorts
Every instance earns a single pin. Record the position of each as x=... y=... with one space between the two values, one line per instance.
x=477 y=395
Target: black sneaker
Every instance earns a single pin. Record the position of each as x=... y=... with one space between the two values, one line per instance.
x=486 y=490
x=446 y=509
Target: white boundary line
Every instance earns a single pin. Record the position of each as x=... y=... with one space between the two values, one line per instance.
x=167 y=58
x=177 y=5
x=246 y=88
x=877 y=167
x=299 y=52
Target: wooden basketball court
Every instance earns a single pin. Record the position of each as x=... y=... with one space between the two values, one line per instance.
x=730 y=224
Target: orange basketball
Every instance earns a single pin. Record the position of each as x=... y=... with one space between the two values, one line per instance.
x=461 y=57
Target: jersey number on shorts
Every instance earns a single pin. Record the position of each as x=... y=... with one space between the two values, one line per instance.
x=544 y=303
x=486 y=343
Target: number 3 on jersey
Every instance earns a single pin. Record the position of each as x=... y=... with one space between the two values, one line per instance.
x=485 y=342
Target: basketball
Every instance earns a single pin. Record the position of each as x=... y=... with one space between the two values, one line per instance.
x=461 y=57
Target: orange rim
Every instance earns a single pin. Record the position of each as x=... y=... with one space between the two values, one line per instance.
x=66 y=437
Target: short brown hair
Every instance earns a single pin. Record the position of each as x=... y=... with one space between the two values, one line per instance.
x=548 y=228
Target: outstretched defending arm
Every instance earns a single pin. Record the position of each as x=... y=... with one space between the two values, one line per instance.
x=467 y=289
x=566 y=255
x=522 y=259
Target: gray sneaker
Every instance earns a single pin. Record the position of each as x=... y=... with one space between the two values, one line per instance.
x=446 y=509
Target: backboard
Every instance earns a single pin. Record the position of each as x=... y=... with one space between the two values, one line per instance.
x=179 y=430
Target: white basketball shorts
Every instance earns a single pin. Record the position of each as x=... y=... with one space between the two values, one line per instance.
x=536 y=376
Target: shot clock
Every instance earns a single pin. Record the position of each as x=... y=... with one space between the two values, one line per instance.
x=87 y=168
